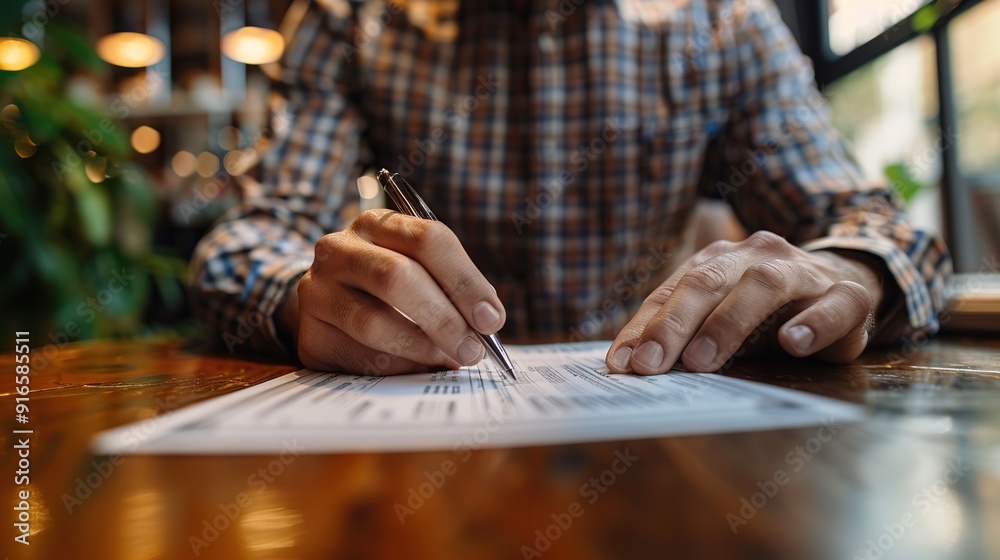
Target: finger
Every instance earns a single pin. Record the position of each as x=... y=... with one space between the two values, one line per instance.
x=439 y=251
x=697 y=294
x=763 y=288
x=370 y=322
x=834 y=328
x=619 y=355
x=666 y=335
x=323 y=347
x=404 y=284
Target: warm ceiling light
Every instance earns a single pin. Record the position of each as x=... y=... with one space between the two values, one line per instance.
x=145 y=139
x=253 y=45
x=17 y=54
x=131 y=50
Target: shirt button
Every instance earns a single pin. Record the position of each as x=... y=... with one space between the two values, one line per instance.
x=546 y=43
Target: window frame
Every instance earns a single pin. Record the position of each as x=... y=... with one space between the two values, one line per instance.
x=813 y=20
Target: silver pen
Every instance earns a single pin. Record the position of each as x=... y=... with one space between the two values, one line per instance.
x=409 y=202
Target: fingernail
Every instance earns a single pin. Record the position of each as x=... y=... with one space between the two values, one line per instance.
x=801 y=337
x=619 y=360
x=702 y=352
x=486 y=316
x=469 y=351
x=649 y=354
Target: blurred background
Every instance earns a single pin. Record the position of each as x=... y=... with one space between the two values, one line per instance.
x=128 y=127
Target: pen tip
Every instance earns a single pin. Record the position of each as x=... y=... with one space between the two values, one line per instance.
x=511 y=372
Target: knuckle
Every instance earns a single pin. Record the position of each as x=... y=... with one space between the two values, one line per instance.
x=328 y=246
x=831 y=315
x=772 y=273
x=363 y=327
x=666 y=324
x=709 y=277
x=718 y=247
x=363 y=222
x=660 y=295
x=442 y=321
x=426 y=234
x=370 y=220
x=463 y=284
x=856 y=295
x=767 y=241
x=392 y=273
x=306 y=286
x=727 y=324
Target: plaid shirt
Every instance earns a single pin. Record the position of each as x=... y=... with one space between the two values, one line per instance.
x=566 y=146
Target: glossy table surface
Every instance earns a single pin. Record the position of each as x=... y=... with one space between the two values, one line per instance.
x=919 y=479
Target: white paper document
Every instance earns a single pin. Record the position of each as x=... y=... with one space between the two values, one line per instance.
x=562 y=395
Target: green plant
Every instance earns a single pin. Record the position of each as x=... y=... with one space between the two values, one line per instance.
x=904 y=182
x=76 y=216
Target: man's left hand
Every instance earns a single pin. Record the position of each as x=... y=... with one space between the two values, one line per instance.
x=812 y=303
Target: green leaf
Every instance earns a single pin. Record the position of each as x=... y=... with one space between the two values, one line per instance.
x=12 y=219
x=74 y=45
x=925 y=18
x=905 y=184
x=94 y=210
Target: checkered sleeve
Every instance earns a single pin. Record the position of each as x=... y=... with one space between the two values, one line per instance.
x=788 y=172
x=245 y=266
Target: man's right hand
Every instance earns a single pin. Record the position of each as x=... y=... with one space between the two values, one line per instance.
x=391 y=294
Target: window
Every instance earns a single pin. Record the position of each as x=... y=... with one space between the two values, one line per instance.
x=915 y=87
x=975 y=62
x=853 y=23
x=975 y=65
x=893 y=130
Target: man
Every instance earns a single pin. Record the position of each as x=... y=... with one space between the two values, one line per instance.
x=564 y=145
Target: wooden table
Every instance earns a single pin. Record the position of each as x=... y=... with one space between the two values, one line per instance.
x=920 y=479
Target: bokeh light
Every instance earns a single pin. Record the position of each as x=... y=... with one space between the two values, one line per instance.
x=208 y=164
x=183 y=163
x=145 y=139
x=131 y=50
x=253 y=45
x=17 y=54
